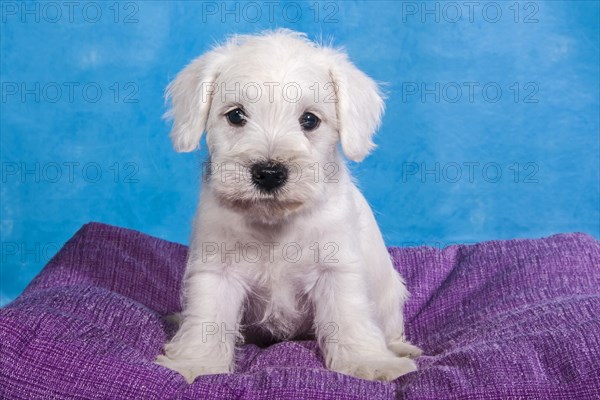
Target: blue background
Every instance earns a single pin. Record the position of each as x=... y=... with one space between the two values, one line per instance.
x=544 y=140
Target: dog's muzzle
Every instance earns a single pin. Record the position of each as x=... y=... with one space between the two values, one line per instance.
x=269 y=176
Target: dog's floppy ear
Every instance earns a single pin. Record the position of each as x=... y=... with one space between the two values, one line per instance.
x=359 y=107
x=191 y=94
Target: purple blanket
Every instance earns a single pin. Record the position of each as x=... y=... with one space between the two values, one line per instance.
x=517 y=319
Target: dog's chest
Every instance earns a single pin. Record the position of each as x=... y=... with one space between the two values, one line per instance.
x=278 y=301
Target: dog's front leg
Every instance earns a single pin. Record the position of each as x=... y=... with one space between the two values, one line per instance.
x=351 y=341
x=205 y=342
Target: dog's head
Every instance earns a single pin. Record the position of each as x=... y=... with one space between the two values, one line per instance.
x=274 y=107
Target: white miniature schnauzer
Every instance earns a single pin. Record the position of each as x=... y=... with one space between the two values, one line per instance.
x=283 y=241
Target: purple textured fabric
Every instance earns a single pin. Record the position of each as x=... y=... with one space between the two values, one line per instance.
x=517 y=319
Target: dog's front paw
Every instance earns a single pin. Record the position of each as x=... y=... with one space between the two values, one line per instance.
x=375 y=367
x=190 y=369
x=403 y=348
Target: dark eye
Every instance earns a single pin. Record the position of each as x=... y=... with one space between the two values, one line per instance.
x=309 y=121
x=236 y=117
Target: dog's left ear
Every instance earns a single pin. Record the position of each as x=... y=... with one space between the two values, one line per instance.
x=359 y=105
x=191 y=94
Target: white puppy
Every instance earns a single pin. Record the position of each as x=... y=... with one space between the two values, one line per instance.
x=283 y=242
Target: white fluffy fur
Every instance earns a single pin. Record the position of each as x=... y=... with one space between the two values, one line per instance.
x=351 y=300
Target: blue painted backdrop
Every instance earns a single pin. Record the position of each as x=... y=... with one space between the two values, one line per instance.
x=491 y=130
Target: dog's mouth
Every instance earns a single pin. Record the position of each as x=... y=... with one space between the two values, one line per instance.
x=271 y=205
x=267 y=210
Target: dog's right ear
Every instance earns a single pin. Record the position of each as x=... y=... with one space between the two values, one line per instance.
x=191 y=95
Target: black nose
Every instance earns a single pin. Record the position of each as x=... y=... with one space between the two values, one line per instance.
x=269 y=176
